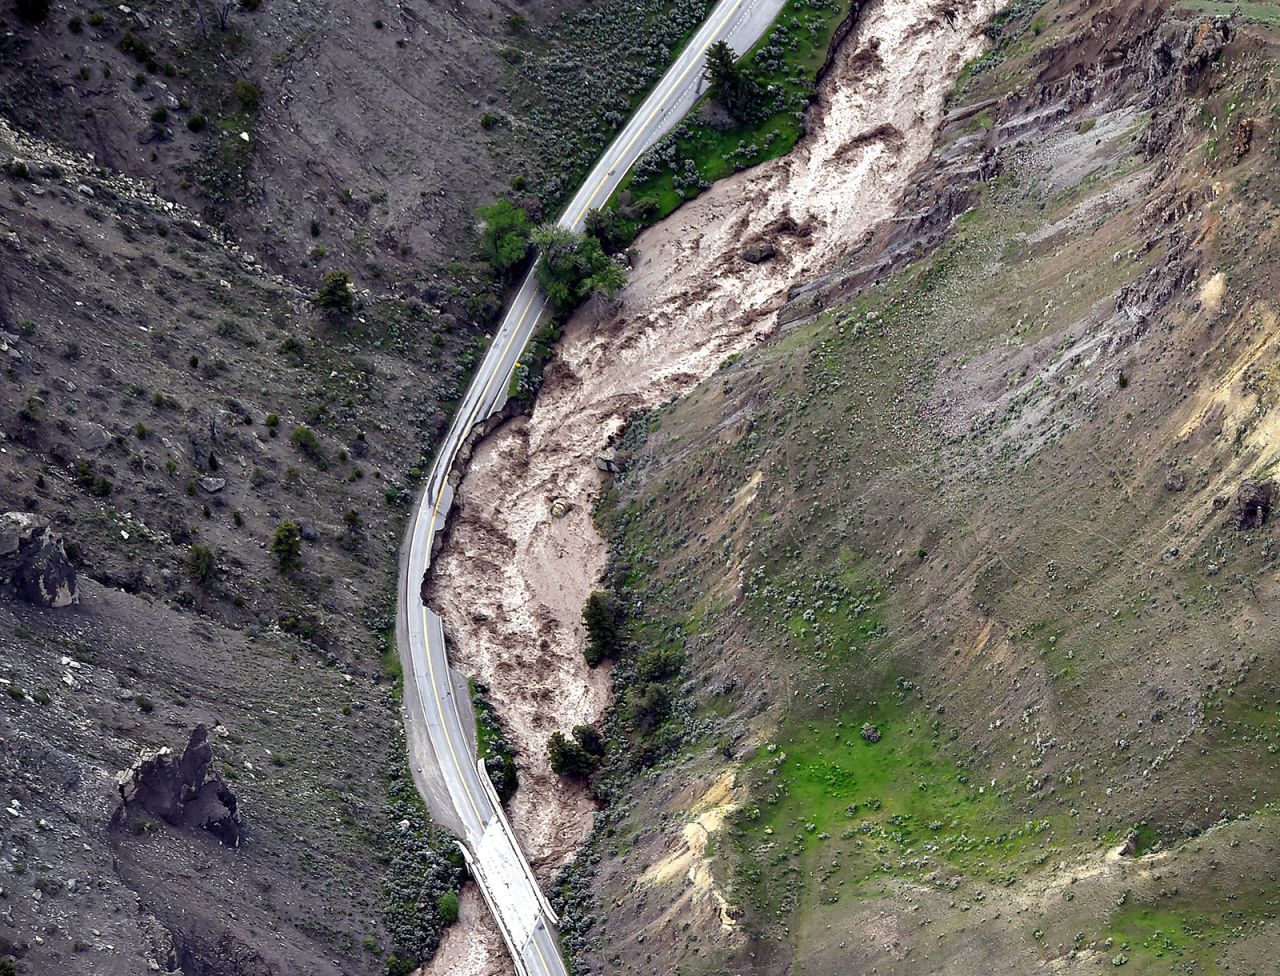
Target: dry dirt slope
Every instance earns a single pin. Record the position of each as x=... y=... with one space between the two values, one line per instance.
x=981 y=678
x=162 y=393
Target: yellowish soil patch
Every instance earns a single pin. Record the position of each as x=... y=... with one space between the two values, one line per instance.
x=691 y=861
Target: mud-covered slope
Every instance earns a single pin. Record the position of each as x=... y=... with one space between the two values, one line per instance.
x=971 y=567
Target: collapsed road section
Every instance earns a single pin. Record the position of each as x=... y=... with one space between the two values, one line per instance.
x=438 y=716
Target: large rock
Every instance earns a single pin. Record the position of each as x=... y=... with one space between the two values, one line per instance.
x=1253 y=503
x=185 y=790
x=33 y=560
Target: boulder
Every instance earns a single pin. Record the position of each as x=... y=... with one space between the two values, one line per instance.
x=183 y=790
x=870 y=732
x=1175 y=481
x=34 y=562
x=610 y=463
x=759 y=252
x=1253 y=503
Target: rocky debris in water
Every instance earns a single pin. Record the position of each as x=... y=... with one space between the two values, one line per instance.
x=870 y=732
x=759 y=253
x=610 y=462
x=1175 y=481
x=1253 y=503
x=34 y=561
x=185 y=790
x=560 y=507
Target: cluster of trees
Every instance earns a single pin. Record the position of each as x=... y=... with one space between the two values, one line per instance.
x=571 y=267
x=645 y=703
x=648 y=700
x=741 y=95
x=576 y=756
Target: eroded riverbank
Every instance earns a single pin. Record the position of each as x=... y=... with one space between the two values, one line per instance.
x=513 y=578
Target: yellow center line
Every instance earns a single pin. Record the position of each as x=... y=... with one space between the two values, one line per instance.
x=657 y=108
x=538 y=948
x=435 y=690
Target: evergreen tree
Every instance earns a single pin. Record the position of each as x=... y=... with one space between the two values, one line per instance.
x=602 y=618
x=731 y=85
x=286 y=546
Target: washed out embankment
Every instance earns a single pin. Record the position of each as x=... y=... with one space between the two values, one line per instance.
x=512 y=581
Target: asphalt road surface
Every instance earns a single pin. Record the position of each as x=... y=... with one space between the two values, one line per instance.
x=438 y=715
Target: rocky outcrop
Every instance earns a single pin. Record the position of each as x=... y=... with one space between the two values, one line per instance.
x=1253 y=503
x=34 y=562
x=185 y=790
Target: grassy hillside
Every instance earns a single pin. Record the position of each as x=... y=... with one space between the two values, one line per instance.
x=990 y=499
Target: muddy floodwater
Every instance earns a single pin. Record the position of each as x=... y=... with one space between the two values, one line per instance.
x=512 y=578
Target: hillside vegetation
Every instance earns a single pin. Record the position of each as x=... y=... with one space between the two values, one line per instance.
x=971 y=570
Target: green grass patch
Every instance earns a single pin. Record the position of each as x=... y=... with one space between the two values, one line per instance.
x=1267 y=14
x=494 y=748
x=697 y=153
x=390 y=659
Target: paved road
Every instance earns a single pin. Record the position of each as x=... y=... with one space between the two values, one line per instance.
x=438 y=716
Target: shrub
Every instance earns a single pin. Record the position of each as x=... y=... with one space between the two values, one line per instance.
x=590 y=739
x=248 y=95
x=95 y=484
x=650 y=704
x=305 y=440
x=659 y=664
x=196 y=123
x=447 y=906
x=202 y=564
x=337 y=294
x=286 y=546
